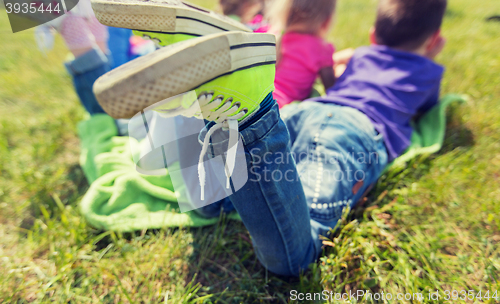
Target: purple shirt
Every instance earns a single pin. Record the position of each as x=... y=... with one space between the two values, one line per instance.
x=390 y=87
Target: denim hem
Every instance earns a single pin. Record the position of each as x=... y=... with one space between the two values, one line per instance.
x=264 y=122
x=261 y=127
x=87 y=62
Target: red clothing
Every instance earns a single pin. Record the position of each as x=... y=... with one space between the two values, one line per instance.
x=258 y=24
x=302 y=57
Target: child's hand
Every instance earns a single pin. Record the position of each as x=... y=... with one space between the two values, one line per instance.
x=343 y=57
x=339 y=70
x=436 y=47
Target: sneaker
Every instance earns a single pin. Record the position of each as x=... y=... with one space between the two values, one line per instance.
x=216 y=64
x=221 y=78
x=163 y=21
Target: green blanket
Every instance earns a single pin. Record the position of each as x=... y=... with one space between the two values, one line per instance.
x=121 y=199
x=429 y=131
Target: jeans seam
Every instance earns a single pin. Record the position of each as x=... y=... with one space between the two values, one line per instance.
x=331 y=214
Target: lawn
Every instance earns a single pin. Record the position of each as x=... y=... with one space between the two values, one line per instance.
x=434 y=226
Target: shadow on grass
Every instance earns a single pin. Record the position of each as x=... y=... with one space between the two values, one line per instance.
x=76 y=175
x=49 y=196
x=224 y=262
x=457 y=133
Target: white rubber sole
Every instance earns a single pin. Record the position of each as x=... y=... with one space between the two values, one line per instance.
x=181 y=67
x=168 y=16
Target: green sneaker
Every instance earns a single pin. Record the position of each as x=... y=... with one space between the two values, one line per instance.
x=164 y=21
x=222 y=75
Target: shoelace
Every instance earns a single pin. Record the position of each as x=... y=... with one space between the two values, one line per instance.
x=225 y=116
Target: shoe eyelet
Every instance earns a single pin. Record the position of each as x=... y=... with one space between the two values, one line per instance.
x=244 y=110
x=147 y=37
x=237 y=104
x=156 y=42
x=202 y=94
x=221 y=97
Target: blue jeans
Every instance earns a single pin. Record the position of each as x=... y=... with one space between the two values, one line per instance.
x=85 y=70
x=303 y=170
x=119 y=45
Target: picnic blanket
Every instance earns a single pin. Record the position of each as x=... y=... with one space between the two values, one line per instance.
x=122 y=199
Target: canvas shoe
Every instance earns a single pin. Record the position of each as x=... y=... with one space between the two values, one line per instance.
x=163 y=21
x=233 y=64
x=221 y=78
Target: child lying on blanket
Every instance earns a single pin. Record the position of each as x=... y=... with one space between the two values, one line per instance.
x=303 y=52
x=341 y=142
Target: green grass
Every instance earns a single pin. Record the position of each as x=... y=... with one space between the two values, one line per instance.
x=433 y=226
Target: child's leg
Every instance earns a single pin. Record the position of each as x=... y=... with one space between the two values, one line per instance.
x=272 y=204
x=85 y=70
x=100 y=33
x=339 y=155
x=86 y=39
x=82 y=35
x=119 y=45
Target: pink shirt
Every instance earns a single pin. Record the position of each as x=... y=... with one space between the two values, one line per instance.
x=301 y=58
x=258 y=24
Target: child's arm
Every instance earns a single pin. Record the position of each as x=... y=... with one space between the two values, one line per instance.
x=341 y=59
x=329 y=62
x=327 y=77
x=339 y=69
